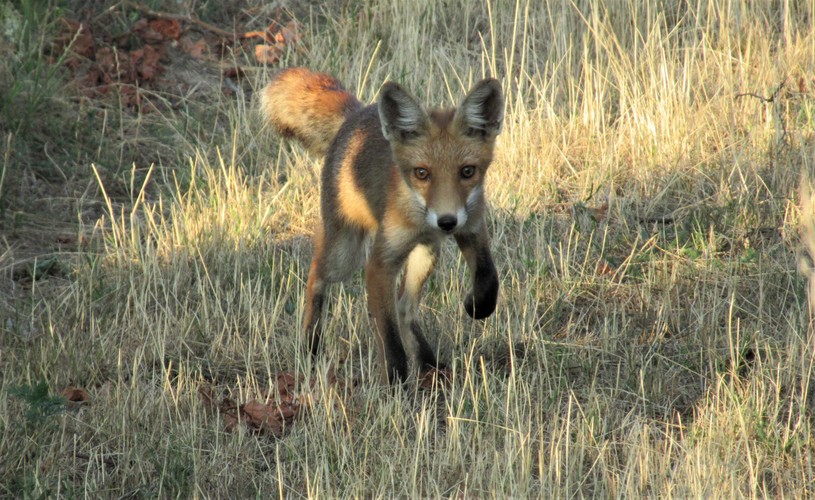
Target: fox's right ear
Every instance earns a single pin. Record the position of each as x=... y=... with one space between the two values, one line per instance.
x=401 y=115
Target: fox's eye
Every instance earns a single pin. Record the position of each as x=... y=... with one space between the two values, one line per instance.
x=421 y=173
x=467 y=171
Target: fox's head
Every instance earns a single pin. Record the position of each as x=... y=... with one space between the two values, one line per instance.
x=444 y=154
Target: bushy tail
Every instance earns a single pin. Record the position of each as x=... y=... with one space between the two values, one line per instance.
x=307 y=106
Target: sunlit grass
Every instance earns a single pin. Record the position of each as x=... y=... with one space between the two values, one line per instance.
x=653 y=335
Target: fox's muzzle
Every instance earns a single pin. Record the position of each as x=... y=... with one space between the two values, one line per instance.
x=448 y=222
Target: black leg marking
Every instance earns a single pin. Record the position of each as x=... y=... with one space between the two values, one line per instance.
x=395 y=357
x=314 y=329
x=481 y=302
x=427 y=359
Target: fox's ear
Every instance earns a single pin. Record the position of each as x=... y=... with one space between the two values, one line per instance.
x=402 y=117
x=481 y=113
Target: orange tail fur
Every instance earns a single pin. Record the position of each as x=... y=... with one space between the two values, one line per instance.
x=307 y=106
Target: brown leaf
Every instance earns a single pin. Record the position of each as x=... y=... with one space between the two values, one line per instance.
x=270 y=417
x=268 y=54
x=288 y=412
x=288 y=34
x=264 y=35
x=78 y=36
x=144 y=30
x=195 y=49
x=263 y=417
x=167 y=28
x=256 y=412
x=111 y=66
x=75 y=396
x=145 y=61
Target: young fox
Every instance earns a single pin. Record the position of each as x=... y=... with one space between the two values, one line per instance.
x=402 y=178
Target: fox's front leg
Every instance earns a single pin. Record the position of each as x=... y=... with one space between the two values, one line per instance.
x=480 y=302
x=380 y=279
x=418 y=267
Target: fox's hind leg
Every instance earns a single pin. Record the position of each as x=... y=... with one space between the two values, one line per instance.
x=315 y=293
x=338 y=253
x=419 y=265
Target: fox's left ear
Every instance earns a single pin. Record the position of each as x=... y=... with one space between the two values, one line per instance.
x=482 y=111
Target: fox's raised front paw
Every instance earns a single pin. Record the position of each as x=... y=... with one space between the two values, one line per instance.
x=481 y=304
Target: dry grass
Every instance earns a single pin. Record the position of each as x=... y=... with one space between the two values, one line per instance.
x=682 y=367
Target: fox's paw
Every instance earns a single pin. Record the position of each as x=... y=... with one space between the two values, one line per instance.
x=480 y=303
x=478 y=311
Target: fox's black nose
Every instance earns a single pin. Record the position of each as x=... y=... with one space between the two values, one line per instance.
x=447 y=222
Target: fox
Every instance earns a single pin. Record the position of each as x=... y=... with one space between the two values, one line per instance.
x=397 y=180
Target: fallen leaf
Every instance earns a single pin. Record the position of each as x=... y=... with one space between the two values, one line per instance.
x=144 y=30
x=111 y=66
x=263 y=417
x=288 y=34
x=288 y=412
x=167 y=28
x=265 y=35
x=145 y=61
x=274 y=416
x=195 y=49
x=75 y=396
x=77 y=37
x=268 y=54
